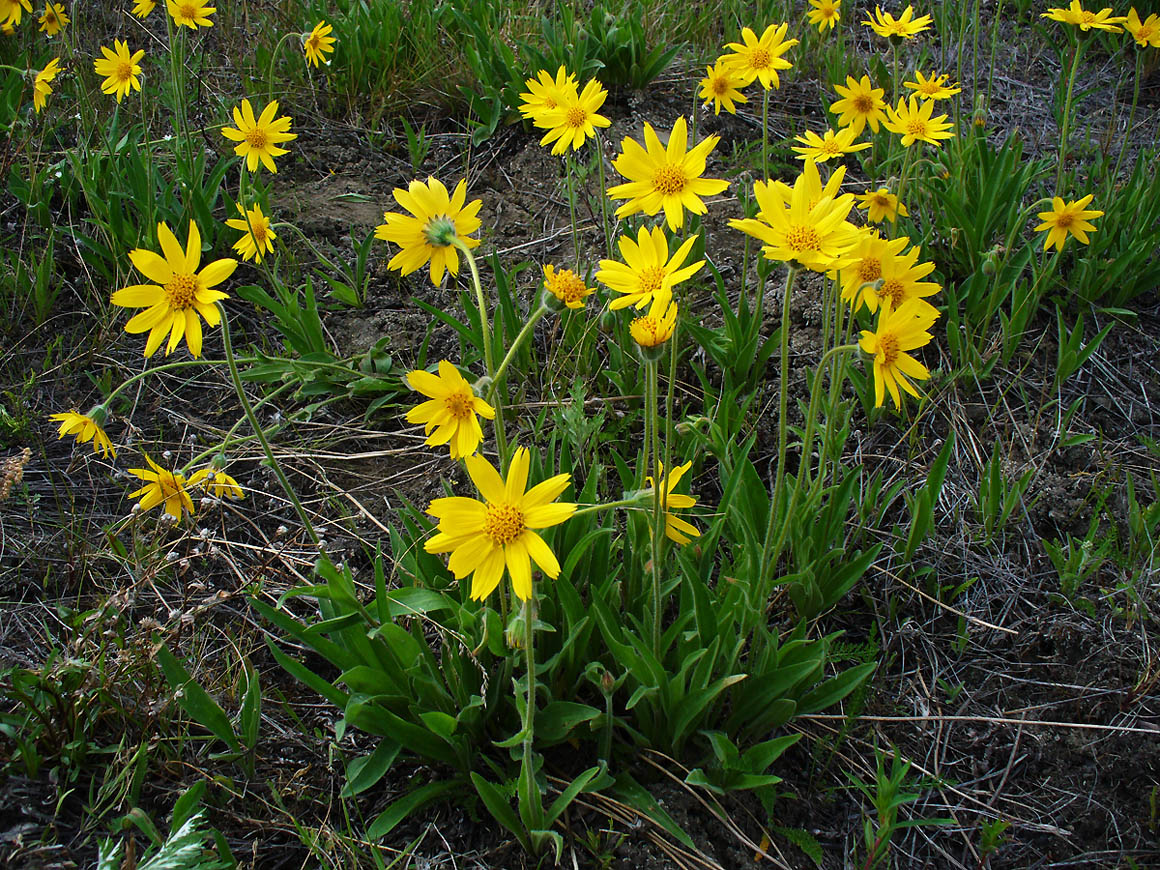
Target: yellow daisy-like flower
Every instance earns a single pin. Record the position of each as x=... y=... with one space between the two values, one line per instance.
x=12 y=13
x=180 y=294
x=142 y=8
x=545 y=94
x=162 y=487
x=216 y=482
x=566 y=287
x=259 y=237
x=861 y=104
x=648 y=273
x=826 y=13
x=426 y=234
x=40 y=85
x=719 y=86
x=813 y=234
x=54 y=19
x=484 y=537
x=190 y=13
x=258 y=139
x=119 y=68
x=652 y=330
x=1067 y=218
x=869 y=260
x=1085 y=19
x=901 y=276
x=934 y=88
x=905 y=26
x=881 y=205
x=665 y=178
x=677 y=530
x=760 y=59
x=898 y=332
x=318 y=43
x=831 y=144
x=1147 y=32
x=450 y=415
x=85 y=428
x=913 y=122
x=575 y=120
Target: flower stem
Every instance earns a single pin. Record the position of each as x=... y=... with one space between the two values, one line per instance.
x=569 y=168
x=488 y=358
x=599 y=143
x=765 y=134
x=532 y=320
x=274 y=60
x=531 y=798
x=1066 y=127
x=651 y=391
x=1131 y=117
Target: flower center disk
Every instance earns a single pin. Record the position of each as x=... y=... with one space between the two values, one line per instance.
x=803 y=239
x=256 y=137
x=760 y=58
x=459 y=404
x=670 y=180
x=576 y=117
x=651 y=279
x=181 y=291
x=503 y=523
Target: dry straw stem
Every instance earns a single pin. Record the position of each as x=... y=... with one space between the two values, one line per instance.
x=987 y=720
x=974 y=620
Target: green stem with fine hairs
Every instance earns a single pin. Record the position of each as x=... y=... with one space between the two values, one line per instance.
x=1065 y=131
x=529 y=325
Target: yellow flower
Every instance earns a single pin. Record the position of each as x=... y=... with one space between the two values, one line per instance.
x=826 y=13
x=676 y=529
x=655 y=328
x=190 y=13
x=85 y=428
x=720 y=86
x=902 y=284
x=120 y=69
x=12 y=11
x=54 y=19
x=450 y=415
x=934 y=88
x=575 y=119
x=813 y=234
x=162 y=487
x=1146 y=33
x=1064 y=219
x=1084 y=19
x=216 y=482
x=898 y=331
x=648 y=273
x=822 y=148
x=427 y=233
x=905 y=26
x=861 y=104
x=547 y=94
x=40 y=85
x=484 y=537
x=869 y=260
x=319 y=43
x=258 y=238
x=760 y=59
x=566 y=286
x=259 y=139
x=180 y=294
x=881 y=205
x=665 y=178
x=142 y=8
x=913 y=122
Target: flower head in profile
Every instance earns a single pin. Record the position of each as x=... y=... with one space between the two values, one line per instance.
x=905 y=26
x=1067 y=219
x=427 y=233
x=651 y=330
x=318 y=43
x=575 y=119
x=648 y=272
x=898 y=332
x=755 y=59
x=179 y=295
x=259 y=138
x=830 y=144
x=190 y=13
x=881 y=205
x=162 y=487
x=566 y=287
x=120 y=69
x=861 y=104
x=54 y=19
x=449 y=417
x=12 y=13
x=216 y=482
x=677 y=530
x=40 y=85
x=85 y=428
x=546 y=94
x=142 y=8
x=484 y=537
x=1085 y=19
x=259 y=237
x=913 y=122
x=719 y=86
x=1147 y=32
x=934 y=88
x=661 y=177
x=825 y=13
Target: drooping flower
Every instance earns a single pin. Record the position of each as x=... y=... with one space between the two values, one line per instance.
x=546 y=94
x=259 y=237
x=868 y=261
x=12 y=12
x=1065 y=219
x=831 y=144
x=162 y=487
x=719 y=86
x=676 y=529
x=142 y=8
x=934 y=88
x=652 y=330
x=180 y=292
x=40 y=85
x=881 y=205
x=575 y=120
x=54 y=19
x=426 y=234
x=484 y=537
x=449 y=417
x=190 y=13
x=318 y=44
x=760 y=59
x=913 y=122
x=825 y=13
x=665 y=178
x=85 y=428
x=861 y=104
x=566 y=287
x=1085 y=19
x=216 y=482
x=898 y=332
x=905 y=26
x=648 y=273
x=1147 y=32
x=258 y=139
x=119 y=68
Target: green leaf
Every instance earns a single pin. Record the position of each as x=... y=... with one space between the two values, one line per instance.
x=439 y=722
x=367 y=770
x=398 y=810
x=558 y=718
x=629 y=791
x=195 y=701
x=500 y=809
x=835 y=689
